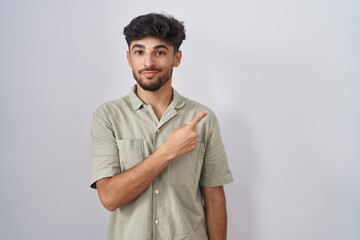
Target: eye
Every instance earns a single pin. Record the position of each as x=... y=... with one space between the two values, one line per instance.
x=138 y=52
x=160 y=53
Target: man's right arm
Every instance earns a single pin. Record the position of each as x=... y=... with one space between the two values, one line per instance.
x=122 y=188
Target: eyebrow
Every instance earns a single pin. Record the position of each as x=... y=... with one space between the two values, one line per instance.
x=156 y=47
x=161 y=46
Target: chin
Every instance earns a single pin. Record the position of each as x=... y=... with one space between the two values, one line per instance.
x=150 y=87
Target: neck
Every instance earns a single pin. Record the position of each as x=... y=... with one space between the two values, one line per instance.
x=159 y=100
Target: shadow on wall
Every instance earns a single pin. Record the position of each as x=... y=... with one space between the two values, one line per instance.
x=240 y=194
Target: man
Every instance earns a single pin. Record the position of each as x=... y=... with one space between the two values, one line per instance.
x=159 y=163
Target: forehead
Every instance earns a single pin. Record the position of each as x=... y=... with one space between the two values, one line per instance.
x=150 y=42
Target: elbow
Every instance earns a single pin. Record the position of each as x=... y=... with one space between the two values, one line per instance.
x=109 y=203
x=105 y=194
x=109 y=207
x=109 y=199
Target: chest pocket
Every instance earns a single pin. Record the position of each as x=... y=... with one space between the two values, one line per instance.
x=131 y=152
x=186 y=170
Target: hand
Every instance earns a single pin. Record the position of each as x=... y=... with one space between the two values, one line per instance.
x=184 y=138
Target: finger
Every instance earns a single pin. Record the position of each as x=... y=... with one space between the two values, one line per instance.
x=197 y=119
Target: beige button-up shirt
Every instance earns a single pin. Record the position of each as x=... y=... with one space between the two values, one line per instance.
x=126 y=131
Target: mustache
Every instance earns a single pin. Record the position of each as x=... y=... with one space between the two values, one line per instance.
x=150 y=69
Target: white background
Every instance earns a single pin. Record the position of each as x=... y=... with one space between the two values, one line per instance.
x=282 y=76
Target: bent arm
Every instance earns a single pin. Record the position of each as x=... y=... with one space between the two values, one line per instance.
x=215 y=211
x=122 y=188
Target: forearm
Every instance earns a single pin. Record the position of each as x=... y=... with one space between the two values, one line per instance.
x=122 y=188
x=216 y=216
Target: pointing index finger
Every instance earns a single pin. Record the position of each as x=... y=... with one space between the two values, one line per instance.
x=197 y=119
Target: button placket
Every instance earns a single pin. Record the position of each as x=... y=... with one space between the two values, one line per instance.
x=155 y=202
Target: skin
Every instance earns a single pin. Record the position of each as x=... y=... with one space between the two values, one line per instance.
x=215 y=209
x=152 y=53
x=152 y=62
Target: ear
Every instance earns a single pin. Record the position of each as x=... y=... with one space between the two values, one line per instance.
x=177 y=59
x=128 y=57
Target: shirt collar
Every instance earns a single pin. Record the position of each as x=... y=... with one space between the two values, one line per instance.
x=177 y=102
x=134 y=99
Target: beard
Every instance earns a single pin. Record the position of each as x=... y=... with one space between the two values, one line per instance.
x=155 y=83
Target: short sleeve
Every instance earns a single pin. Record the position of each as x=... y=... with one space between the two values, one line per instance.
x=104 y=150
x=215 y=170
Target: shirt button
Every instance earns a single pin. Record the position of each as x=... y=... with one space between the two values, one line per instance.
x=158 y=130
x=157 y=191
x=156 y=221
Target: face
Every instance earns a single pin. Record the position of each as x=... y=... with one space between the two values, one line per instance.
x=152 y=62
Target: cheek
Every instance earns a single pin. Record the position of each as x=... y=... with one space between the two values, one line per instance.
x=169 y=67
x=134 y=66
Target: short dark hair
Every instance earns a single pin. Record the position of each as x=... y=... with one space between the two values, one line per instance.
x=162 y=26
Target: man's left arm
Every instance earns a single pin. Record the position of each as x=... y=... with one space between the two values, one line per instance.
x=215 y=211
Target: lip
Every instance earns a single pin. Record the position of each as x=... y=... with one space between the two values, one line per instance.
x=149 y=74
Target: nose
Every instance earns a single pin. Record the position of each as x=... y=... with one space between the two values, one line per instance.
x=149 y=61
